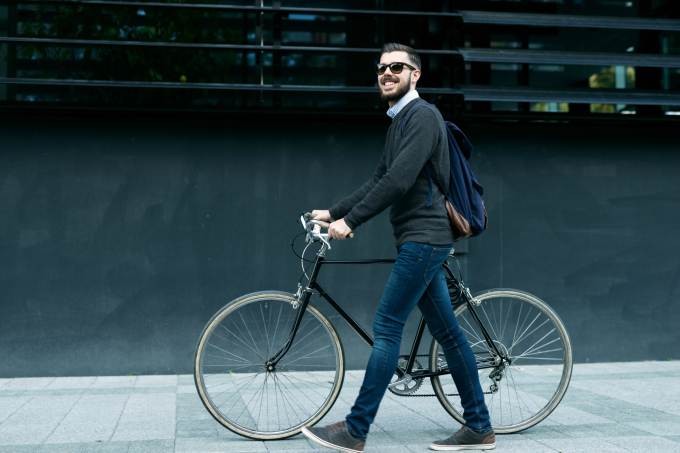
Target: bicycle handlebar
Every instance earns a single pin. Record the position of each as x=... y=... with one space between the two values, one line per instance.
x=313 y=228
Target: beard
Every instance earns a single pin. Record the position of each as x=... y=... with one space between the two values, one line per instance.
x=397 y=93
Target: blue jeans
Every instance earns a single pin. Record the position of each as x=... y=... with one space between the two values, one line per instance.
x=418 y=278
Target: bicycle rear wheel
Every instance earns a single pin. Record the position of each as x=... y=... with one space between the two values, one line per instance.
x=248 y=397
x=524 y=392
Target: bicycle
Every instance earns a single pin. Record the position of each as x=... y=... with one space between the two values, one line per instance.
x=269 y=363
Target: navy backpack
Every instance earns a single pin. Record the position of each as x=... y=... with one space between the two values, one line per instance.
x=464 y=203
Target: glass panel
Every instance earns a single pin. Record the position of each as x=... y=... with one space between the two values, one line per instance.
x=137 y=24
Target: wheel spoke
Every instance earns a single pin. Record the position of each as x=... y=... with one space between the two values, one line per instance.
x=532 y=384
x=531 y=348
x=268 y=404
x=241 y=359
x=306 y=356
x=472 y=331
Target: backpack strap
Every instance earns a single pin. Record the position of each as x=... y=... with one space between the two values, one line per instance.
x=428 y=169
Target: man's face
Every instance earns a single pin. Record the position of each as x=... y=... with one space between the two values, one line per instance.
x=394 y=86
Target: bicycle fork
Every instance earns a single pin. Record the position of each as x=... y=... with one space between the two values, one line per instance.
x=302 y=297
x=299 y=303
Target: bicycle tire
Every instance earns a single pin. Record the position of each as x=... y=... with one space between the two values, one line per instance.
x=312 y=320
x=535 y=387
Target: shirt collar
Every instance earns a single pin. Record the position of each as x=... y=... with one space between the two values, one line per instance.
x=405 y=99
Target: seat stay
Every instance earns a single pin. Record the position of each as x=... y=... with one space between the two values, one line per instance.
x=469 y=300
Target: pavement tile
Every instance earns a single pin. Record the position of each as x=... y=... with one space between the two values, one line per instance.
x=296 y=443
x=543 y=431
x=667 y=428
x=198 y=428
x=10 y=404
x=642 y=395
x=90 y=391
x=308 y=449
x=646 y=444
x=80 y=382
x=391 y=448
x=629 y=375
x=35 y=420
x=28 y=383
x=147 y=417
x=186 y=388
x=87 y=422
x=620 y=430
x=642 y=366
x=107 y=382
x=583 y=445
x=113 y=447
x=156 y=381
x=155 y=446
x=19 y=448
x=514 y=444
x=185 y=379
x=579 y=431
x=194 y=445
x=621 y=411
x=423 y=413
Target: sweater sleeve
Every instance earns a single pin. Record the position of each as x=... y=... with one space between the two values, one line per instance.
x=342 y=207
x=415 y=148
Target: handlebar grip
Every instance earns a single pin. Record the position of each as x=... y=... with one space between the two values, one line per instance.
x=321 y=223
x=307 y=216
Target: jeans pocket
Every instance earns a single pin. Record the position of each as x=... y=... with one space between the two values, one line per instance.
x=413 y=251
x=436 y=258
x=441 y=250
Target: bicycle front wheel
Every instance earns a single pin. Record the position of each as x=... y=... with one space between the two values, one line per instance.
x=253 y=399
x=523 y=392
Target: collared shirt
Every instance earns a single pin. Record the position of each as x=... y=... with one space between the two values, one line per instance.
x=405 y=99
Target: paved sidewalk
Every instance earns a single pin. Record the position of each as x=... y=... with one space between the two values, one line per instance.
x=612 y=407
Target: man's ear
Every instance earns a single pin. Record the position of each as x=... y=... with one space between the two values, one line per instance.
x=416 y=75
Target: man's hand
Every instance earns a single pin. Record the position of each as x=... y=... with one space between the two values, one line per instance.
x=339 y=230
x=321 y=214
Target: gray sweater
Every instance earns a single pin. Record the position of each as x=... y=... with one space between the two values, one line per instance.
x=413 y=139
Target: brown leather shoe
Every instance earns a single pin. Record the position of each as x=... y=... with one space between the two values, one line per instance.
x=466 y=439
x=334 y=436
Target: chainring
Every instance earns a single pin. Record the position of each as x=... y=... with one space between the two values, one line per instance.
x=408 y=386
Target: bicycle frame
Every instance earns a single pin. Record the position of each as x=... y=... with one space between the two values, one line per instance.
x=304 y=297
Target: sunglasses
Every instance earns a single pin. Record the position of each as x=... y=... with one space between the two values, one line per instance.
x=395 y=68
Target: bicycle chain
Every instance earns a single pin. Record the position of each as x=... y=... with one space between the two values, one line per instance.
x=446 y=394
x=428 y=395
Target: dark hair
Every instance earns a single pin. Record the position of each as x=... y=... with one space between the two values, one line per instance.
x=396 y=47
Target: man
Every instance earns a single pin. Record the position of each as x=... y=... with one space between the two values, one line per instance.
x=416 y=137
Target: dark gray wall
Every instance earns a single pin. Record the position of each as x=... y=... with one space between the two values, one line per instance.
x=119 y=239
x=3 y=51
